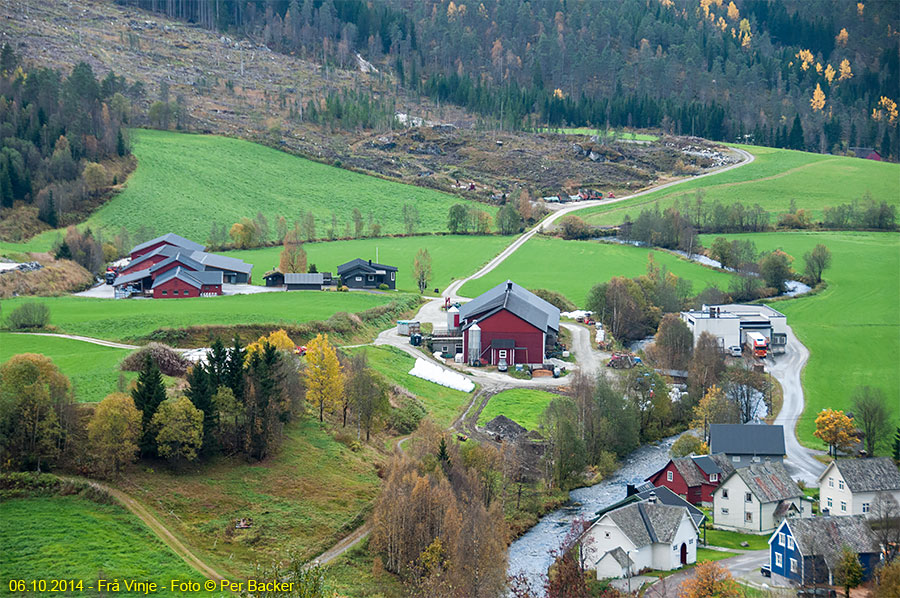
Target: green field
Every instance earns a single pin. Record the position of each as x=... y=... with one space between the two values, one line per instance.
x=775 y=177
x=573 y=267
x=443 y=404
x=93 y=370
x=852 y=329
x=522 y=405
x=121 y=319
x=452 y=256
x=69 y=537
x=729 y=539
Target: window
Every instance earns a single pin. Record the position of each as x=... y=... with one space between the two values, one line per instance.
x=777 y=560
x=669 y=476
x=844 y=506
x=756 y=459
x=691 y=541
x=675 y=548
x=736 y=459
x=790 y=543
x=724 y=492
x=502 y=353
x=831 y=482
x=829 y=503
x=865 y=507
x=793 y=565
x=165 y=292
x=840 y=484
x=748 y=517
x=371 y=277
x=781 y=539
x=393 y=275
x=748 y=497
x=724 y=510
x=713 y=477
x=359 y=279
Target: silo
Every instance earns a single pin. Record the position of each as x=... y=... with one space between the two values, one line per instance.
x=474 y=344
x=452 y=318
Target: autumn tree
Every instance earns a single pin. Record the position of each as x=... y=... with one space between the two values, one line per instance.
x=817 y=102
x=709 y=580
x=688 y=444
x=95 y=176
x=775 y=269
x=714 y=408
x=836 y=430
x=180 y=430
x=887 y=580
x=293 y=256
x=148 y=394
x=848 y=571
x=422 y=269
x=817 y=261
x=748 y=390
x=367 y=394
x=324 y=383
x=113 y=433
x=871 y=414
x=674 y=343
x=707 y=365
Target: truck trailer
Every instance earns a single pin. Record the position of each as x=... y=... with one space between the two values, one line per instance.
x=758 y=344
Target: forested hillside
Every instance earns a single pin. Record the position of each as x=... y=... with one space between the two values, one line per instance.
x=821 y=76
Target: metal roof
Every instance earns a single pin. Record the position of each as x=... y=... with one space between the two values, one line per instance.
x=172 y=239
x=315 y=278
x=134 y=276
x=166 y=250
x=182 y=258
x=195 y=279
x=743 y=439
x=518 y=300
x=875 y=474
x=706 y=463
x=220 y=262
x=367 y=266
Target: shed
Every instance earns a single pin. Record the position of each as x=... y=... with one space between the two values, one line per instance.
x=303 y=282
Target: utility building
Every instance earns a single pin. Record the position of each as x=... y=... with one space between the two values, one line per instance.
x=729 y=324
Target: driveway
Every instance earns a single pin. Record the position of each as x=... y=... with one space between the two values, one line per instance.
x=739 y=566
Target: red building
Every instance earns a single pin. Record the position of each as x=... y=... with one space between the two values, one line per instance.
x=695 y=478
x=508 y=323
x=148 y=260
x=184 y=283
x=169 y=239
x=179 y=260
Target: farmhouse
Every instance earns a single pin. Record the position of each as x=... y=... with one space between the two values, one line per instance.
x=643 y=535
x=362 y=274
x=729 y=324
x=508 y=323
x=849 y=486
x=695 y=478
x=866 y=153
x=659 y=494
x=180 y=282
x=745 y=444
x=166 y=240
x=754 y=499
x=806 y=551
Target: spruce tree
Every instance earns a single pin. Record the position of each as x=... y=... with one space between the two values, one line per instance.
x=234 y=371
x=148 y=393
x=201 y=395
x=897 y=446
x=217 y=368
x=795 y=138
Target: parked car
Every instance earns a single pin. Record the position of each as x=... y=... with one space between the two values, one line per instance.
x=765 y=571
x=816 y=593
x=734 y=350
x=502 y=366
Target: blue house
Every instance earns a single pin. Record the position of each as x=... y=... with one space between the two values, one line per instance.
x=806 y=551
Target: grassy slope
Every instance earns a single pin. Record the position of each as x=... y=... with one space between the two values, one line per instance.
x=814 y=181
x=852 y=329
x=452 y=256
x=351 y=574
x=443 y=404
x=92 y=369
x=573 y=267
x=119 y=319
x=522 y=405
x=68 y=537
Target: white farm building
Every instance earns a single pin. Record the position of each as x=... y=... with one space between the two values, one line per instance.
x=731 y=323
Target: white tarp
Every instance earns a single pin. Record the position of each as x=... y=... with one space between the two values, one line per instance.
x=435 y=373
x=578 y=313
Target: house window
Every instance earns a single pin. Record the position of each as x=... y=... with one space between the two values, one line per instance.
x=724 y=492
x=669 y=476
x=713 y=477
x=165 y=292
x=831 y=482
x=691 y=541
x=748 y=517
x=748 y=497
x=606 y=534
x=829 y=503
x=777 y=560
x=724 y=510
x=865 y=507
x=844 y=506
x=502 y=353
x=359 y=279
x=736 y=459
x=840 y=484
x=393 y=276
x=781 y=539
x=793 y=565
x=790 y=543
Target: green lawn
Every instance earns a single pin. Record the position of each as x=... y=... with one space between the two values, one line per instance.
x=573 y=267
x=351 y=575
x=777 y=176
x=852 y=329
x=707 y=554
x=69 y=537
x=93 y=370
x=443 y=404
x=121 y=319
x=522 y=405
x=452 y=256
x=729 y=539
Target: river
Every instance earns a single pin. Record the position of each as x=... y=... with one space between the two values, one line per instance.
x=530 y=554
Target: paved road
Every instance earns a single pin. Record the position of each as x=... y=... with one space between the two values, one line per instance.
x=739 y=566
x=800 y=461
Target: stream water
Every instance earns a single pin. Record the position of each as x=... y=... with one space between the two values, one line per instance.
x=530 y=554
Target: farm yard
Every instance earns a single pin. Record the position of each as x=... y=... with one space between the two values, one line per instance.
x=524 y=406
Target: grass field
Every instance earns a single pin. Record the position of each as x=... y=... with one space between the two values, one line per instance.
x=351 y=575
x=573 y=267
x=443 y=404
x=776 y=176
x=852 y=329
x=92 y=369
x=119 y=319
x=452 y=256
x=729 y=539
x=69 y=537
x=522 y=405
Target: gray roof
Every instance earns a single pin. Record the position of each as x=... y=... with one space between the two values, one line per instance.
x=621 y=556
x=172 y=239
x=166 y=250
x=743 y=439
x=707 y=464
x=724 y=464
x=825 y=536
x=220 y=262
x=195 y=279
x=367 y=266
x=769 y=482
x=688 y=470
x=132 y=277
x=876 y=474
x=645 y=523
x=316 y=278
x=182 y=258
x=520 y=301
x=664 y=496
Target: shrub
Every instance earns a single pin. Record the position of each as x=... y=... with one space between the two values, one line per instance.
x=383 y=287
x=167 y=360
x=29 y=315
x=405 y=419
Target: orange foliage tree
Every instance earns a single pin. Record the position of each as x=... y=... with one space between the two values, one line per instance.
x=710 y=580
x=835 y=429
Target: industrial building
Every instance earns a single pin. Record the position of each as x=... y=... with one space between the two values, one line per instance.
x=731 y=323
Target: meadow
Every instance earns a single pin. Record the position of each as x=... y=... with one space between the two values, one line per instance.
x=773 y=180
x=120 y=319
x=852 y=328
x=573 y=267
x=92 y=369
x=452 y=256
x=70 y=537
x=524 y=406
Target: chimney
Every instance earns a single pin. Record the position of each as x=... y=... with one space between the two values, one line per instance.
x=508 y=285
x=370 y=262
x=652 y=498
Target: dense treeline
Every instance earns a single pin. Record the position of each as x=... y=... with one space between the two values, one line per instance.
x=56 y=132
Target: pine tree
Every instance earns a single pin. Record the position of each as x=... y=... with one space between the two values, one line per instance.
x=200 y=393
x=234 y=371
x=795 y=138
x=443 y=456
x=148 y=394
x=897 y=446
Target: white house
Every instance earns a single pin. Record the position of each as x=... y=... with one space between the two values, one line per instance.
x=849 y=486
x=642 y=535
x=756 y=498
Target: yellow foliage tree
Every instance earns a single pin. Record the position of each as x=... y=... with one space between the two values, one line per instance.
x=845 y=71
x=733 y=12
x=324 y=383
x=113 y=432
x=710 y=579
x=278 y=339
x=860 y=7
x=890 y=108
x=746 y=36
x=819 y=67
x=817 y=102
x=806 y=57
x=835 y=429
x=713 y=408
x=829 y=74
x=842 y=37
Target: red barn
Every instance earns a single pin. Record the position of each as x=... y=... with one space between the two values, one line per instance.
x=508 y=323
x=168 y=239
x=695 y=478
x=185 y=283
x=866 y=153
x=179 y=260
x=147 y=260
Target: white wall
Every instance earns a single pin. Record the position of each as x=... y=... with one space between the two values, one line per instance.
x=726 y=329
x=830 y=487
x=763 y=515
